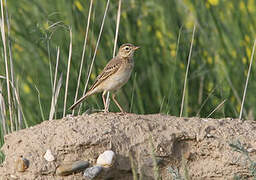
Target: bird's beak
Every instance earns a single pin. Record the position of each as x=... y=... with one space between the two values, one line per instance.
x=136 y=47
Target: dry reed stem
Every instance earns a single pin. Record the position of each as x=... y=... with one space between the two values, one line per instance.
x=3 y=111
x=205 y=101
x=115 y=44
x=247 y=79
x=16 y=93
x=53 y=102
x=233 y=89
x=217 y=108
x=6 y=67
x=56 y=95
x=186 y=76
x=68 y=70
x=95 y=51
x=83 y=53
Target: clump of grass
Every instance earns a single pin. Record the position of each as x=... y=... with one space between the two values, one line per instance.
x=175 y=173
x=137 y=170
x=238 y=147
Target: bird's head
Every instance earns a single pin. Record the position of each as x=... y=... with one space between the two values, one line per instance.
x=127 y=50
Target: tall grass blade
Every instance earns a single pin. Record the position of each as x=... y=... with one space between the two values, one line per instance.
x=186 y=76
x=202 y=105
x=40 y=104
x=133 y=89
x=68 y=70
x=217 y=108
x=6 y=66
x=83 y=53
x=2 y=111
x=55 y=98
x=247 y=79
x=53 y=102
x=17 y=99
x=95 y=51
x=116 y=37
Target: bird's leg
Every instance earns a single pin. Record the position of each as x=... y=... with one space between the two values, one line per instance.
x=104 y=101
x=114 y=99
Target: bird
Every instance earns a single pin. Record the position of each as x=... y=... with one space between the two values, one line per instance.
x=115 y=74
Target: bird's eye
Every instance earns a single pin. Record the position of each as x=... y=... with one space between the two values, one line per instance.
x=127 y=48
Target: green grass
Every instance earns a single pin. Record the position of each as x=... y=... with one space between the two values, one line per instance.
x=220 y=57
x=251 y=164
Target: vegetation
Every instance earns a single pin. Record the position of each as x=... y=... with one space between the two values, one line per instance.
x=239 y=147
x=221 y=51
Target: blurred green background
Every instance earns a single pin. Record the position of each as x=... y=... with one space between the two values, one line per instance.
x=225 y=31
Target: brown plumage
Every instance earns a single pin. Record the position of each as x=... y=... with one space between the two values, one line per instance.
x=115 y=74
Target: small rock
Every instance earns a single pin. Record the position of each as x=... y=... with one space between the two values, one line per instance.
x=106 y=159
x=250 y=150
x=48 y=156
x=21 y=164
x=13 y=176
x=92 y=172
x=69 y=168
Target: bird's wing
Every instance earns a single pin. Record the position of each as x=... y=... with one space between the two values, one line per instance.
x=112 y=67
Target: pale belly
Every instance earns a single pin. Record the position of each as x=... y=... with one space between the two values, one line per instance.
x=117 y=80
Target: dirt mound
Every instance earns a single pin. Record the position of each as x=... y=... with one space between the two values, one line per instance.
x=192 y=147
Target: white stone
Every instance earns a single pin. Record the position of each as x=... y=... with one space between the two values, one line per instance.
x=106 y=159
x=48 y=156
x=92 y=172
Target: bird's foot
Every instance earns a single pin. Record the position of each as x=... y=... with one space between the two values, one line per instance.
x=105 y=110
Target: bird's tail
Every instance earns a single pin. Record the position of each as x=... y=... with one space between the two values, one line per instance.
x=79 y=101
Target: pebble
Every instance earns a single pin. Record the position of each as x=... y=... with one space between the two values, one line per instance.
x=106 y=159
x=92 y=172
x=48 y=156
x=21 y=164
x=69 y=168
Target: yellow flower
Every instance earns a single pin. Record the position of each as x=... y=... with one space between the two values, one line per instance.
x=18 y=47
x=247 y=38
x=149 y=28
x=173 y=53
x=46 y=25
x=173 y=46
x=230 y=5
x=245 y=72
x=182 y=66
x=251 y=6
x=248 y=52
x=159 y=35
x=124 y=15
x=242 y=6
x=189 y=24
x=209 y=86
x=93 y=76
x=139 y=23
x=79 y=5
x=205 y=53
x=26 y=88
x=209 y=60
x=29 y=79
x=213 y=2
x=233 y=53
x=244 y=60
x=170 y=35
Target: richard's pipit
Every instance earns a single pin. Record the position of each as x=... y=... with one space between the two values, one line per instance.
x=116 y=73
